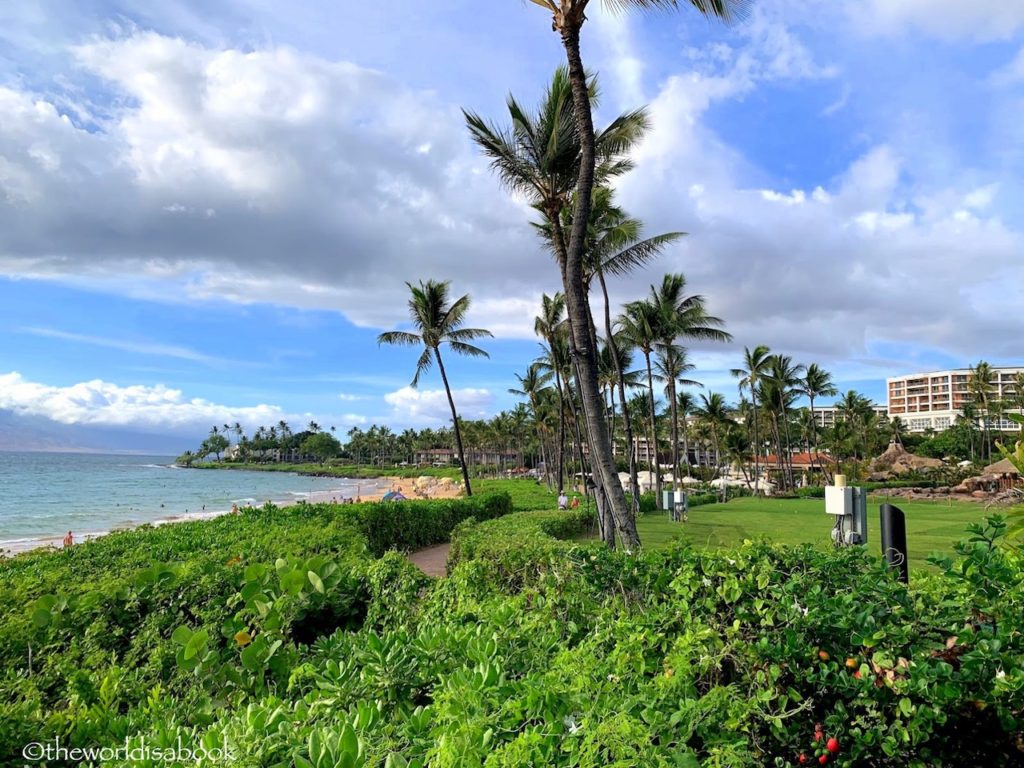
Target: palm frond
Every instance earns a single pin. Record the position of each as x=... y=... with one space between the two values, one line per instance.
x=468 y=334
x=726 y=10
x=467 y=349
x=423 y=365
x=399 y=338
x=639 y=254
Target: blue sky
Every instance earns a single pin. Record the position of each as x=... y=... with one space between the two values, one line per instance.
x=209 y=215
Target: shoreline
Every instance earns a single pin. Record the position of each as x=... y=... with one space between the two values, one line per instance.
x=379 y=486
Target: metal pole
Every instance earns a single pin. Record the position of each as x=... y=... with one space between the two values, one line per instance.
x=894 y=539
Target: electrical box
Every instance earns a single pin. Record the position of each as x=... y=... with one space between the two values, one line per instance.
x=676 y=503
x=849 y=506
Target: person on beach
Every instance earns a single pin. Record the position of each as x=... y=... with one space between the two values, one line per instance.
x=234 y=509
x=575 y=504
x=69 y=540
x=563 y=500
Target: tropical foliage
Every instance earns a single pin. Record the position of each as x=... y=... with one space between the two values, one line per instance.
x=281 y=637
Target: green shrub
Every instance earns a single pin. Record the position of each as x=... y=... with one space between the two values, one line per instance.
x=810 y=492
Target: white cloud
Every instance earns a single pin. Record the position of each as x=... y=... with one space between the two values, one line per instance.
x=99 y=402
x=946 y=19
x=425 y=407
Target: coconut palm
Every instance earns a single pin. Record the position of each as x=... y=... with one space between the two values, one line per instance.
x=439 y=321
x=755 y=362
x=817 y=382
x=541 y=157
x=670 y=365
x=639 y=323
x=714 y=412
x=681 y=316
x=615 y=247
x=685 y=403
x=979 y=385
x=550 y=326
x=567 y=20
x=531 y=386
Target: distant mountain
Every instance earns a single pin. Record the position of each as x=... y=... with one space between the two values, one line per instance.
x=35 y=433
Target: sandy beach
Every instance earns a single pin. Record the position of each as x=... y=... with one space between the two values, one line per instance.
x=368 y=490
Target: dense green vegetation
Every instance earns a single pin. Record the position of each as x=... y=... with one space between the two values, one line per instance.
x=296 y=639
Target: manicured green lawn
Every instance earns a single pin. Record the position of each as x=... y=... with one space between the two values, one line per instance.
x=931 y=526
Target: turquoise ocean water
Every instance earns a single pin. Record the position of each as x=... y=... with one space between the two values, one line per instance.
x=46 y=494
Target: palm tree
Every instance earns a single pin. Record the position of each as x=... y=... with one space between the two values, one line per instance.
x=531 y=386
x=785 y=376
x=567 y=19
x=541 y=157
x=639 y=323
x=817 y=382
x=671 y=363
x=714 y=412
x=439 y=322
x=680 y=316
x=550 y=326
x=755 y=362
x=979 y=384
x=685 y=403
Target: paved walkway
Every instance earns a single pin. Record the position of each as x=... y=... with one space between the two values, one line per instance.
x=431 y=560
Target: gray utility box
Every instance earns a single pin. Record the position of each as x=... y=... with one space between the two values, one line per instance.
x=676 y=504
x=850 y=508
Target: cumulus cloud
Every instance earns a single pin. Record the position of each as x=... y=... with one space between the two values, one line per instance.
x=946 y=19
x=269 y=175
x=206 y=173
x=101 y=403
x=429 y=407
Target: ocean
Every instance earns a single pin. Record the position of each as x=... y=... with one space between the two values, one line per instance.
x=43 y=495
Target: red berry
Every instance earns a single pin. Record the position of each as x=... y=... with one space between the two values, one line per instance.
x=818 y=735
x=857 y=674
x=833 y=746
x=823 y=759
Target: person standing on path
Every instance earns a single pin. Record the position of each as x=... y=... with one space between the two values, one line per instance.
x=563 y=500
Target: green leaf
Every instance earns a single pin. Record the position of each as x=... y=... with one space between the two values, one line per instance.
x=252 y=656
x=195 y=643
x=255 y=571
x=349 y=741
x=318 y=585
x=181 y=635
x=906 y=707
x=41 y=617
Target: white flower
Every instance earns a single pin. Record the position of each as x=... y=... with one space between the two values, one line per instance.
x=571 y=724
x=1000 y=674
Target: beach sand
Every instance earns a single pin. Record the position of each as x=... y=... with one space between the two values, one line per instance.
x=374 y=490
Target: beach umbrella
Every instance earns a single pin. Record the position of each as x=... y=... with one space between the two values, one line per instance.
x=394 y=496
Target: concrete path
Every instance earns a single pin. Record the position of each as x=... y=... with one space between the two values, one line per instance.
x=431 y=560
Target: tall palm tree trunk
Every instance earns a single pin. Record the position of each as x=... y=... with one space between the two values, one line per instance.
x=455 y=422
x=757 y=444
x=620 y=381
x=575 y=293
x=653 y=447
x=675 y=431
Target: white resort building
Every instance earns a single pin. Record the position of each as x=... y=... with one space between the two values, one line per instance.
x=825 y=415
x=934 y=400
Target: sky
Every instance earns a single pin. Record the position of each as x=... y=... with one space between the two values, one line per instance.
x=208 y=212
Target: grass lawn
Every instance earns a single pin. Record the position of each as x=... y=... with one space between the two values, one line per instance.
x=931 y=526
